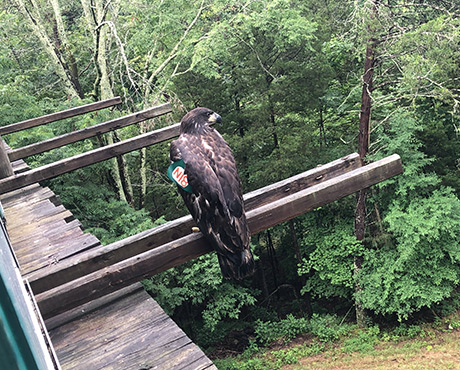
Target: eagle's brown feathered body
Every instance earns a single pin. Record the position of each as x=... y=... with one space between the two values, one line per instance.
x=216 y=203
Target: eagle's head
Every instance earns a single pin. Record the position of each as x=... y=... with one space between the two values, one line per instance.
x=198 y=120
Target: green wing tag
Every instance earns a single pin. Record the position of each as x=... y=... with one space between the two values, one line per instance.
x=176 y=172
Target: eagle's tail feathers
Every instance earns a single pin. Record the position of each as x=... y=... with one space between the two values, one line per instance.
x=237 y=266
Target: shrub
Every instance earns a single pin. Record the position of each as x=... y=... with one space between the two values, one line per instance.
x=287 y=329
x=327 y=327
x=364 y=342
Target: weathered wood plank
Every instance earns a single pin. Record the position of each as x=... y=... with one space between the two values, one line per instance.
x=83 y=264
x=6 y=170
x=88 y=132
x=159 y=259
x=72 y=112
x=88 y=158
x=20 y=166
x=327 y=192
x=293 y=184
x=41 y=230
x=47 y=249
x=34 y=193
x=77 y=312
x=132 y=332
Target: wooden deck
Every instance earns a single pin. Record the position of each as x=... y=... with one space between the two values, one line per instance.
x=123 y=330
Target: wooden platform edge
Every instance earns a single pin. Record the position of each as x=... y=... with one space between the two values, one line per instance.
x=136 y=268
x=86 y=308
x=131 y=331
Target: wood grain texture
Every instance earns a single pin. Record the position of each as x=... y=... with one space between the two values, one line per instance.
x=123 y=330
x=176 y=252
x=6 y=170
x=88 y=132
x=132 y=332
x=41 y=230
x=97 y=258
x=326 y=192
x=72 y=112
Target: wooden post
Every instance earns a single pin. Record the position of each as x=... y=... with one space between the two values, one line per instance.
x=6 y=170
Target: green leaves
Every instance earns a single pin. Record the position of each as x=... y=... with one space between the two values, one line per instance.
x=199 y=286
x=331 y=247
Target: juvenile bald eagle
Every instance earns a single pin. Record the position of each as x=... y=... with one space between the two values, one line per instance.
x=214 y=197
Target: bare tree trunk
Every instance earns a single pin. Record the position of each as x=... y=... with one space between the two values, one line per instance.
x=96 y=14
x=124 y=176
x=31 y=14
x=143 y=173
x=363 y=149
x=322 y=132
x=63 y=46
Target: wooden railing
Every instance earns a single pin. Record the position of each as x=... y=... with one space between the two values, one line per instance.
x=72 y=112
x=120 y=264
x=12 y=181
x=103 y=270
x=88 y=132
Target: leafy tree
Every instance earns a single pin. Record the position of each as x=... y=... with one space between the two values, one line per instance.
x=415 y=263
x=287 y=78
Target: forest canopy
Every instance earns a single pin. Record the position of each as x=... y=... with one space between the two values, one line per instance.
x=288 y=78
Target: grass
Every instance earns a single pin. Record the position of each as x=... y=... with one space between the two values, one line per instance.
x=428 y=346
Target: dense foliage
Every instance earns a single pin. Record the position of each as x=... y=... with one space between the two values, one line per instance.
x=286 y=76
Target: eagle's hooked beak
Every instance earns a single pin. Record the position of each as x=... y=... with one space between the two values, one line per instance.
x=215 y=118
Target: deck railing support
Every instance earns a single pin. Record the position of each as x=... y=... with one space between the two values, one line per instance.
x=6 y=170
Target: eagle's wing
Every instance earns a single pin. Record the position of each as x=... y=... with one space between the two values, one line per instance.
x=216 y=203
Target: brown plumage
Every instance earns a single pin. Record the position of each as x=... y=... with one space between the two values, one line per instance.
x=216 y=203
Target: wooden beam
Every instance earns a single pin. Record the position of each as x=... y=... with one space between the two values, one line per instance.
x=6 y=170
x=88 y=132
x=72 y=112
x=102 y=256
x=176 y=252
x=326 y=192
x=88 y=158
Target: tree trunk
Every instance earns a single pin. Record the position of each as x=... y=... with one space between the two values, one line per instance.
x=272 y=257
x=143 y=174
x=363 y=149
x=32 y=15
x=63 y=46
x=124 y=176
x=303 y=279
x=96 y=13
x=322 y=132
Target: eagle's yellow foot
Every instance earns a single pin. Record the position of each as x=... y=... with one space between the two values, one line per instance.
x=195 y=229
